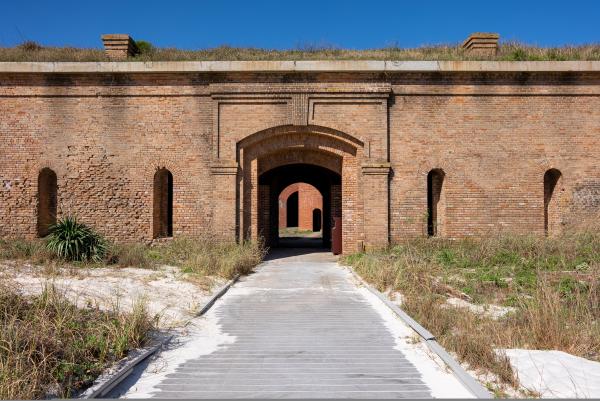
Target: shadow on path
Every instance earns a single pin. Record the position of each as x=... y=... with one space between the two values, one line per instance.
x=300 y=254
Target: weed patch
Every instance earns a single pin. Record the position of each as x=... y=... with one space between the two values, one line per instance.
x=49 y=347
x=554 y=284
x=200 y=256
x=207 y=257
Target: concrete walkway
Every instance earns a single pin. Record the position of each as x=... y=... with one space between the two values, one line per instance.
x=300 y=327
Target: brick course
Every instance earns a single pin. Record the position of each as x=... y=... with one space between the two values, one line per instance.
x=494 y=135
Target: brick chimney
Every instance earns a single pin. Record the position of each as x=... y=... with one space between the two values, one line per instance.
x=119 y=46
x=482 y=44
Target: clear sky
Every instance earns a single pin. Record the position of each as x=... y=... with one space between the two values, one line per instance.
x=292 y=24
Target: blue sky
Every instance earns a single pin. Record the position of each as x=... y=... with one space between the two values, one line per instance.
x=292 y=24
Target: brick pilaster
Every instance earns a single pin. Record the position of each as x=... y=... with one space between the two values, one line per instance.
x=225 y=210
x=376 y=203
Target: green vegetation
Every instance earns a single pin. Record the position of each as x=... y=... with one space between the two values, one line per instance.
x=553 y=284
x=511 y=51
x=51 y=348
x=75 y=241
x=297 y=232
x=145 y=48
x=200 y=256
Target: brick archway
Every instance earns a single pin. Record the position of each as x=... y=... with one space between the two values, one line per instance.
x=272 y=184
x=363 y=184
x=315 y=147
x=308 y=199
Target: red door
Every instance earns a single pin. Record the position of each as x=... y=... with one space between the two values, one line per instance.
x=336 y=233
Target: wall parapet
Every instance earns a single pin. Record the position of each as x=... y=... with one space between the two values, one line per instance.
x=297 y=66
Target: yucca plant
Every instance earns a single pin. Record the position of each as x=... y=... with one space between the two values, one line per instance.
x=75 y=241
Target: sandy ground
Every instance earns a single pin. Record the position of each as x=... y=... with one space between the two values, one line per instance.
x=556 y=374
x=166 y=291
x=547 y=373
x=488 y=310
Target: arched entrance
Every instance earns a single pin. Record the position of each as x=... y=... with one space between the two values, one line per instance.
x=300 y=205
x=276 y=180
x=353 y=178
x=273 y=159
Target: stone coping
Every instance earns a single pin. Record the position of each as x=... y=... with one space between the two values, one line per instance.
x=298 y=66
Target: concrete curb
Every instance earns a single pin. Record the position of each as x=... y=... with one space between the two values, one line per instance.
x=105 y=383
x=218 y=295
x=465 y=378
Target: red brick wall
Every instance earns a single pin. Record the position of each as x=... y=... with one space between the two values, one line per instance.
x=493 y=134
x=309 y=199
x=494 y=150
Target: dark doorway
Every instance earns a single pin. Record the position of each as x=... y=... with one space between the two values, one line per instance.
x=47 y=201
x=435 y=182
x=292 y=210
x=163 y=204
x=551 y=211
x=317 y=216
x=276 y=180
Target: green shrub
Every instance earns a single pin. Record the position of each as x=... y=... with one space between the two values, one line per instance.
x=75 y=241
x=144 y=47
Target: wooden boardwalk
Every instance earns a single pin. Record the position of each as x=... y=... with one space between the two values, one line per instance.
x=302 y=329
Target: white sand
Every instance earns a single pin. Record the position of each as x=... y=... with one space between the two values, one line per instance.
x=488 y=310
x=555 y=374
x=165 y=290
x=203 y=336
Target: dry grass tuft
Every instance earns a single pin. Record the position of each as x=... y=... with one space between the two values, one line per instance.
x=21 y=249
x=51 y=348
x=209 y=257
x=130 y=255
x=553 y=284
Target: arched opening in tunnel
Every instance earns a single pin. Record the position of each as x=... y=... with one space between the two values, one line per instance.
x=297 y=204
x=291 y=210
x=316 y=188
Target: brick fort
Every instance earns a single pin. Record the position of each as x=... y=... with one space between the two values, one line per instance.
x=147 y=150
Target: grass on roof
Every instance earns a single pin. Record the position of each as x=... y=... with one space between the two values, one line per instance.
x=510 y=51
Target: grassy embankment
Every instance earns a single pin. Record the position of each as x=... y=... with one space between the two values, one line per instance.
x=508 y=51
x=553 y=284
